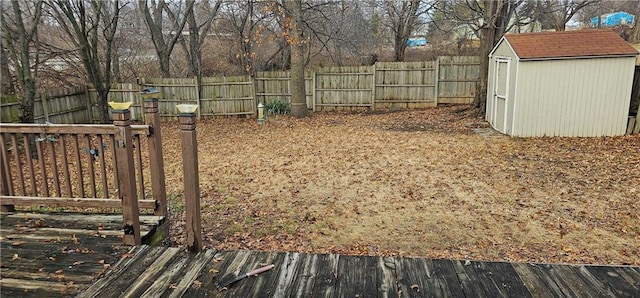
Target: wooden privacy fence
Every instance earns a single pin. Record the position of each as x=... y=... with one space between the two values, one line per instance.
x=64 y=105
x=86 y=166
x=383 y=85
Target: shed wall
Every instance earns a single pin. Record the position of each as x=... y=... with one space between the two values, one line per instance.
x=573 y=97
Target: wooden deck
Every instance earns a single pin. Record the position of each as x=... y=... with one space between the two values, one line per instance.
x=53 y=254
x=50 y=255
x=172 y=272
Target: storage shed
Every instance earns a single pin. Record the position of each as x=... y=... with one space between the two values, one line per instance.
x=572 y=83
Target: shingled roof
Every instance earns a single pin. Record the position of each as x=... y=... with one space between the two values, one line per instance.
x=581 y=43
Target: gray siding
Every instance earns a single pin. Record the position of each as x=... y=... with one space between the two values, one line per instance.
x=573 y=97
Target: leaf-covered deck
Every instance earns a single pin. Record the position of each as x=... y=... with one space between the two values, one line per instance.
x=59 y=254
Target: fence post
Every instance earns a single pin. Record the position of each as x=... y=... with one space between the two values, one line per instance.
x=156 y=158
x=437 y=80
x=313 y=89
x=191 y=180
x=373 y=90
x=126 y=177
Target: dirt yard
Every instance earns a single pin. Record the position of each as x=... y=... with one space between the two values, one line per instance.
x=411 y=183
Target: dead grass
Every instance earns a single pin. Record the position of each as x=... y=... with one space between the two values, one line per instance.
x=414 y=183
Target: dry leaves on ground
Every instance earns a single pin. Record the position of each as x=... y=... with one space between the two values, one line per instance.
x=414 y=183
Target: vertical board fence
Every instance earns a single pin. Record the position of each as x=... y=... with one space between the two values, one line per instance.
x=64 y=105
x=383 y=85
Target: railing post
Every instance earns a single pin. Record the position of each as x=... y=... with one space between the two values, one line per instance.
x=191 y=180
x=156 y=160
x=126 y=177
x=4 y=180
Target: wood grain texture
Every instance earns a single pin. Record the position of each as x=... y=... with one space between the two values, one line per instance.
x=59 y=254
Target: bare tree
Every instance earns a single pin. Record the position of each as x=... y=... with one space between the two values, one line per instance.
x=165 y=41
x=91 y=27
x=198 y=33
x=404 y=18
x=561 y=12
x=18 y=34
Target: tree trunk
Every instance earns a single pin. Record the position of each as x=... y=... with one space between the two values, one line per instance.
x=399 y=48
x=497 y=15
x=19 y=39
x=298 y=92
x=6 y=81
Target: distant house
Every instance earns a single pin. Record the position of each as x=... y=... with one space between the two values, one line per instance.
x=566 y=84
x=613 y=19
x=416 y=41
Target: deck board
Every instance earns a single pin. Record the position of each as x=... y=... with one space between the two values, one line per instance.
x=310 y=275
x=59 y=254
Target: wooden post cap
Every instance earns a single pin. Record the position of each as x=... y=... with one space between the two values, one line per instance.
x=121 y=117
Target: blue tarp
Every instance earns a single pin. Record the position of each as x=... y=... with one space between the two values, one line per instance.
x=612 y=19
x=416 y=41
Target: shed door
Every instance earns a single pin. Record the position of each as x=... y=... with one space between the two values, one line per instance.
x=500 y=94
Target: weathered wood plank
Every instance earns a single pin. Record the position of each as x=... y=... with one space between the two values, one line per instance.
x=72 y=202
x=468 y=279
x=414 y=278
x=19 y=287
x=164 y=282
x=305 y=279
x=387 y=281
x=573 y=281
x=261 y=285
x=556 y=287
x=200 y=261
x=78 y=129
x=212 y=273
x=616 y=282
x=152 y=272
x=497 y=279
x=446 y=278
x=290 y=268
x=595 y=285
x=532 y=281
x=357 y=277
x=136 y=254
x=127 y=276
x=503 y=278
x=327 y=275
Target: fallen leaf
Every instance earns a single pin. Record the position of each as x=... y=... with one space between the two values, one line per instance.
x=213 y=270
x=15 y=257
x=17 y=243
x=415 y=287
x=196 y=284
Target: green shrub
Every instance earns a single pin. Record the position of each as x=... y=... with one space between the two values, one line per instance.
x=276 y=106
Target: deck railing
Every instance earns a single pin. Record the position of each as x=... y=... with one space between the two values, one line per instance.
x=86 y=166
